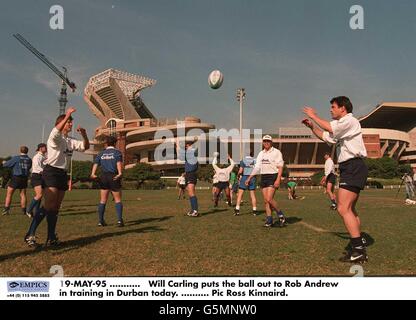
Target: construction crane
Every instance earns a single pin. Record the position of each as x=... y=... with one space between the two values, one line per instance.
x=63 y=75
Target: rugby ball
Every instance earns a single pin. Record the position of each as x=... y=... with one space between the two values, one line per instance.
x=215 y=79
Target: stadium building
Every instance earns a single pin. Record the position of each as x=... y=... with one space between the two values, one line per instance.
x=114 y=97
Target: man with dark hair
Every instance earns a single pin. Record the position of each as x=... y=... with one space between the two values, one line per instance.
x=345 y=132
x=54 y=176
x=20 y=166
x=111 y=163
x=189 y=155
x=329 y=179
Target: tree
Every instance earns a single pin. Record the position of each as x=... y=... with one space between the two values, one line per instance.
x=317 y=177
x=384 y=168
x=140 y=173
x=404 y=168
x=5 y=173
x=205 y=172
x=81 y=171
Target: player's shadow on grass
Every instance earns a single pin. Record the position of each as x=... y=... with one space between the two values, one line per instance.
x=77 y=207
x=85 y=241
x=76 y=213
x=293 y=220
x=78 y=243
x=345 y=235
x=289 y=220
x=213 y=211
x=146 y=220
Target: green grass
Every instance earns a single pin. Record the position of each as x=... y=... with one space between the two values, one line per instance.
x=159 y=239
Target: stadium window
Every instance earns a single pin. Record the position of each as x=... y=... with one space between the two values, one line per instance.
x=112 y=124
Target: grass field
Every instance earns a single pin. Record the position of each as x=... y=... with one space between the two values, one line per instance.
x=159 y=239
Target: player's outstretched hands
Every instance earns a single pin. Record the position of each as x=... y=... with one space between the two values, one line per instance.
x=309 y=111
x=81 y=130
x=70 y=110
x=308 y=123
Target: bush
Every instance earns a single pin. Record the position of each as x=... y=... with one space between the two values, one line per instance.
x=169 y=182
x=317 y=177
x=129 y=185
x=374 y=183
x=140 y=173
x=205 y=172
x=81 y=171
x=82 y=186
x=385 y=168
x=153 y=185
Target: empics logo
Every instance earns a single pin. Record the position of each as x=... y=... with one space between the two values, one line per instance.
x=28 y=286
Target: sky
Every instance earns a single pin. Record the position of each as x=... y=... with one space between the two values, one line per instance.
x=286 y=54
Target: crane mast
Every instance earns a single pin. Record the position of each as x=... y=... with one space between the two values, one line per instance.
x=63 y=75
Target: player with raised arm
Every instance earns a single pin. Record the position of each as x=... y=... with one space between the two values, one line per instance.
x=55 y=174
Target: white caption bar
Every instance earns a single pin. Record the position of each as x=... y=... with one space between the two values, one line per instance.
x=206 y=288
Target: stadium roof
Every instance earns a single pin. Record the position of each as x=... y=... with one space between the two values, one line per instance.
x=391 y=115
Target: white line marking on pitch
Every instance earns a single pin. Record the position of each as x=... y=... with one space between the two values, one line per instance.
x=317 y=229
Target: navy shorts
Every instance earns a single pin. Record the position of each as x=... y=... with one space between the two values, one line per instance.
x=331 y=178
x=55 y=178
x=267 y=180
x=191 y=178
x=18 y=182
x=353 y=175
x=36 y=180
x=222 y=185
x=108 y=183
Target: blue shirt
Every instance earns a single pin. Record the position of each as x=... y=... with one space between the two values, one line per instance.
x=20 y=165
x=247 y=164
x=108 y=159
x=190 y=157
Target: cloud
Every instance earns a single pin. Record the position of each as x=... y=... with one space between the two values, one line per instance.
x=48 y=81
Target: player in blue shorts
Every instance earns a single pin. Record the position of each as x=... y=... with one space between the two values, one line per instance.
x=111 y=163
x=189 y=155
x=246 y=167
x=20 y=166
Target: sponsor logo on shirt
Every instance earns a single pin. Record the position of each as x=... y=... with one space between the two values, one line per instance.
x=107 y=157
